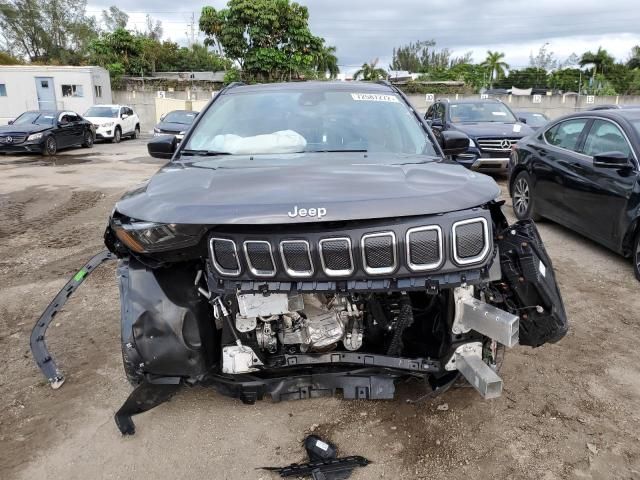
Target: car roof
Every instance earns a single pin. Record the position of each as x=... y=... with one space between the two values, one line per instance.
x=472 y=100
x=355 y=86
x=110 y=105
x=45 y=112
x=185 y=111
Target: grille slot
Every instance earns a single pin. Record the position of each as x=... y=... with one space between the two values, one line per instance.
x=296 y=257
x=225 y=256
x=497 y=144
x=259 y=258
x=336 y=256
x=424 y=248
x=379 y=252
x=470 y=241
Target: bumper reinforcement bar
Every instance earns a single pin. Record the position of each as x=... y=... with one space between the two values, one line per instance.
x=38 y=345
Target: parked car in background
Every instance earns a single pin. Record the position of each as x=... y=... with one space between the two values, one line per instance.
x=535 y=120
x=613 y=106
x=114 y=122
x=492 y=127
x=175 y=123
x=46 y=132
x=582 y=171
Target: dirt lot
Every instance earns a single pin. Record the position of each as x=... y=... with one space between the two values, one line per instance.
x=568 y=411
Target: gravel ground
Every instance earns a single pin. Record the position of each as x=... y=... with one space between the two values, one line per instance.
x=569 y=410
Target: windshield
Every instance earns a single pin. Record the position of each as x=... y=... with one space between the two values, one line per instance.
x=309 y=121
x=185 y=118
x=36 y=118
x=480 y=112
x=106 y=112
x=533 y=119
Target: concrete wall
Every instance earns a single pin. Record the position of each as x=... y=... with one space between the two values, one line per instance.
x=150 y=108
x=552 y=106
x=22 y=95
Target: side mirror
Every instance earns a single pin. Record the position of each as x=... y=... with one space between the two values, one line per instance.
x=10 y=122
x=522 y=119
x=162 y=147
x=123 y=116
x=162 y=117
x=453 y=142
x=613 y=159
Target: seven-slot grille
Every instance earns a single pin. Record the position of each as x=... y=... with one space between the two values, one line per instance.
x=14 y=139
x=497 y=144
x=424 y=248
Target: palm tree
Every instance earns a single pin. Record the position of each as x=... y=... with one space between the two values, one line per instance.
x=370 y=72
x=496 y=66
x=600 y=60
x=326 y=61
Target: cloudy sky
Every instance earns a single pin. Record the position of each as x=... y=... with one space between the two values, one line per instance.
x=366 y=29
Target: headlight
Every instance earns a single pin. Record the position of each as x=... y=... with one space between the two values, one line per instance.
x=108 y=124
x=142 y=237
x=35 y=136
x=472 y=144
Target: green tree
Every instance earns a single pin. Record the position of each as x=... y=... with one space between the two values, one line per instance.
x=529 y=77
x=494 y=64
x=7 y=59
x=544 y=59
x=269 y=39
x=423 y=57
x=370 y=72
x=56 y=31
x=114 y=18
x=566 y=79
x=326 y=62
x=600 y=60
x=634 y=58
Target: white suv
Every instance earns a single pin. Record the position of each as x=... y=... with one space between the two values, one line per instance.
x=114 y=122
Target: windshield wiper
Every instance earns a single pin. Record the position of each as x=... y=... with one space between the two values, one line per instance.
x=203 y=153
x=336 y=151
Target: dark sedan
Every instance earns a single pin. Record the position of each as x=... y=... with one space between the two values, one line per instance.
x=582 y=171
x=175 y=122
x=46 y=132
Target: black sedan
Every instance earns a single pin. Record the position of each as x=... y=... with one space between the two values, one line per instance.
x=175 y=122
x=582 y=171
x=46 y=132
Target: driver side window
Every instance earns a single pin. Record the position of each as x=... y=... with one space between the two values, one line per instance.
x=566 y=134
x=605 y=137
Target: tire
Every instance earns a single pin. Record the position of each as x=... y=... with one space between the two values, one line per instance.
x=50 y=146
x=635 y=255
x=117 y=135
x=136 y=132
x=88 y=139
x=522 y=198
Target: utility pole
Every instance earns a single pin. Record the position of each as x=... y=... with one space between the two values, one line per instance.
x=191 y=34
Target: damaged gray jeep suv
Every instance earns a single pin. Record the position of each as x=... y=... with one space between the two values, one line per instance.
x=313 y=238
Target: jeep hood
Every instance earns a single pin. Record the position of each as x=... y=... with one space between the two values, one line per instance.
x=263 y=189
x=494 y=129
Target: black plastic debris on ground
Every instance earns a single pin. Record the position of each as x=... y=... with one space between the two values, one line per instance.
x=323 y=464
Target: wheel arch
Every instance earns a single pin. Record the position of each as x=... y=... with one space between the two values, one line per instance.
x=629 y=237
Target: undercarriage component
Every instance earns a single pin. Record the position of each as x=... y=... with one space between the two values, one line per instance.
x=468 y=360
x=147 y=395
x=474 y=314
x=368 y=360
x=239 y=359
x=334 y=469
x=38 y=345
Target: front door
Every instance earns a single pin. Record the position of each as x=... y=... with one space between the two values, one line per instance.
x=46 y=93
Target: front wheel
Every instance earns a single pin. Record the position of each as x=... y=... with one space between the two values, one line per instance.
x=117 y=135
x=522 y=198
x=136 y=132
x=636 y=256
x=50 y=146
x=88 y=139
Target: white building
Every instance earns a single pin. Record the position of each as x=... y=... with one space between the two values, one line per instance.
x=36 y=87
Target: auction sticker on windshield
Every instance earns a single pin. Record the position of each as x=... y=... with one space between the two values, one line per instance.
x=374 y=97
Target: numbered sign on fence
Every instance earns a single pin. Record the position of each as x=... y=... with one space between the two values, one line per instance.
x=162 y=94
x=537 y=99
x=484 y=96
x=591 y=98
x=430 y=97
